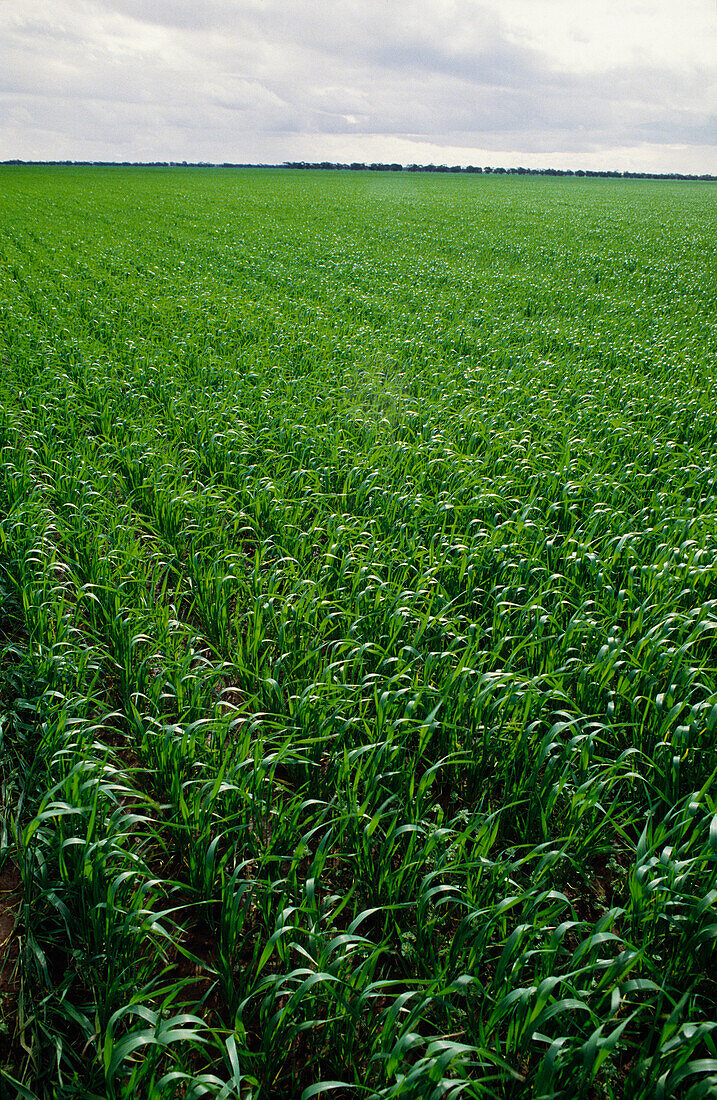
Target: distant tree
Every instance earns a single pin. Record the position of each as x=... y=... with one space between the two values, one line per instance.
x=579 y=173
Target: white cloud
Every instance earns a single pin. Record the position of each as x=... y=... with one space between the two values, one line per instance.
x=498 y=81
x=579 y=36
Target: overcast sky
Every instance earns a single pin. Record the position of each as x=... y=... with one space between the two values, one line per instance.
x=626 y=84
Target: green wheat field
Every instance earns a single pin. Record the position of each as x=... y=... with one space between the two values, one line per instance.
x=358 y=611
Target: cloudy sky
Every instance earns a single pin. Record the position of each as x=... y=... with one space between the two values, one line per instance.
x=626 y=84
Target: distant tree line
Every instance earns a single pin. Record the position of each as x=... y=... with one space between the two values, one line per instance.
x=134 y=164
x=361 y=166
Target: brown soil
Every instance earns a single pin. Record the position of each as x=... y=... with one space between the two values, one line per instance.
x=10 y=899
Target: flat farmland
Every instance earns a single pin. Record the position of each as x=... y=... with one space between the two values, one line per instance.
x=358 y=599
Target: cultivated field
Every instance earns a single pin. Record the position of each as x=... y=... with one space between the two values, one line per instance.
x=359 y=597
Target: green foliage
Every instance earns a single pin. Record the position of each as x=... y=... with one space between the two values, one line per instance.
x=358 y=583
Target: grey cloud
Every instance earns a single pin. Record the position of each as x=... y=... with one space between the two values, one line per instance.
x=144 y=76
